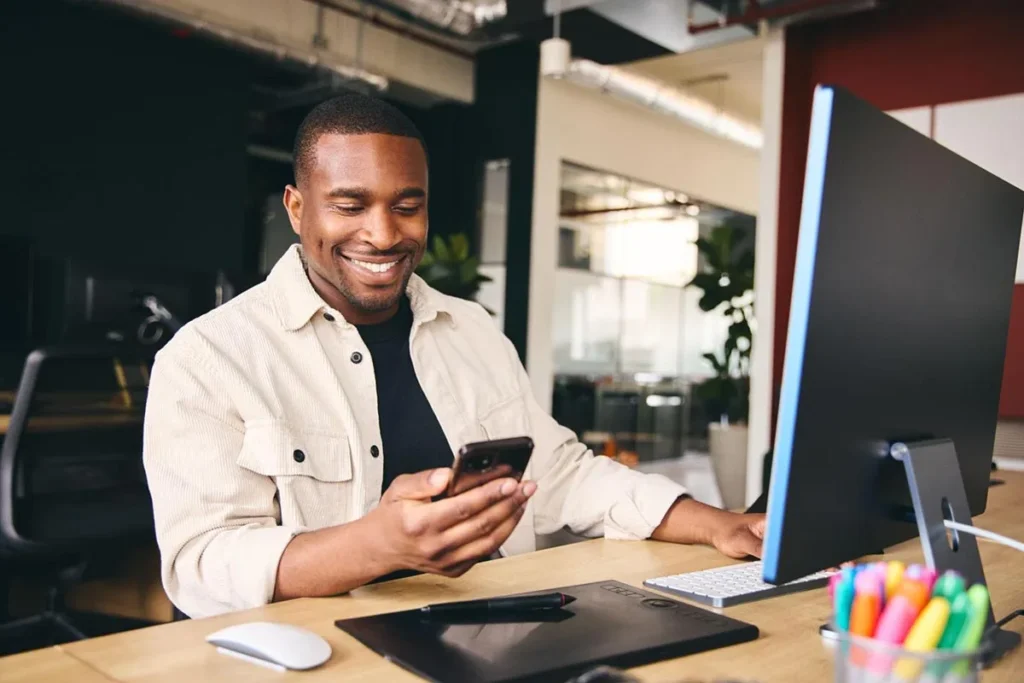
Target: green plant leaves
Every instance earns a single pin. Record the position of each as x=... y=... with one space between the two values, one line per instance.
x=449 y=268
x=441 y=251
x=725 y=280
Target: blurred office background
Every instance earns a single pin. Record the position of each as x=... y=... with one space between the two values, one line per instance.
x=608 y=185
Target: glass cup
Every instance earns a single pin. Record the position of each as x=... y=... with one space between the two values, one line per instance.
x=865 y=660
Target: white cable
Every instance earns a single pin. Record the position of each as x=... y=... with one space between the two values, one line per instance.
x=983 y=533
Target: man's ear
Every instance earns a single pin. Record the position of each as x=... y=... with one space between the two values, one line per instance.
x=293 y=205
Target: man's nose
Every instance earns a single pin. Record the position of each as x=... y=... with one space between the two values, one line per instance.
x=380 y=229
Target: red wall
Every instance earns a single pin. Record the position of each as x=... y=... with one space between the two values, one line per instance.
x=908 y=54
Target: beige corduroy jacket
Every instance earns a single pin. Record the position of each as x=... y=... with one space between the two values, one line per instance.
x=262 y=415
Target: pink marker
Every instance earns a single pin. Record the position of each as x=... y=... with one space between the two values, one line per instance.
x=833 y=581
x=928 y=577
x=897 y=619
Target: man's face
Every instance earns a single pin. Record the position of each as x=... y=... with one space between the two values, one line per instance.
x=361 y=216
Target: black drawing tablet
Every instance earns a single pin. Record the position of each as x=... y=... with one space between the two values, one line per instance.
x=610 y=623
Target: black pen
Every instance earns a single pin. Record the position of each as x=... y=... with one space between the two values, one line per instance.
x=526 y=603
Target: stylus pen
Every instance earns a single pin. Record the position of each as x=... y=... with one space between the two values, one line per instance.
x=548 y=601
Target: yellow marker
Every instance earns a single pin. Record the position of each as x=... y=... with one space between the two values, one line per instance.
x=924 y=636
x=893 y=577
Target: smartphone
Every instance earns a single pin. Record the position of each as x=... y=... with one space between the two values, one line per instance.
x=484 y=461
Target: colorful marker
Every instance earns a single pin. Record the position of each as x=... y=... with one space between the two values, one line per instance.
x=833 y=581
x=893 y=577
x=974 y=627
x=948 y=586
x=843 y=600
x=924 y=636
x=959 y=610
x=867 y=604
x=900 y=612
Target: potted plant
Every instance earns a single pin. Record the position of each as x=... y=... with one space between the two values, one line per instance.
x=726 y=280
x=449 y=268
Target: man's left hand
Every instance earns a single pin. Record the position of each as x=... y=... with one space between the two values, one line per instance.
x=733 y=534
x=740 y=536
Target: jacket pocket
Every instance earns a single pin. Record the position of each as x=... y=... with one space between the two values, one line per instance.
x=312 y=471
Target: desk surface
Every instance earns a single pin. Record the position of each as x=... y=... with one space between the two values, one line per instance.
x=789 y=648
x=51 y=665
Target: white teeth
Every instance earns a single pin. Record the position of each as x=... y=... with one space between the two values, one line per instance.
x=375 y=267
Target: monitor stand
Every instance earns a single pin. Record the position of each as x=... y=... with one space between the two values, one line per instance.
x=937 y=491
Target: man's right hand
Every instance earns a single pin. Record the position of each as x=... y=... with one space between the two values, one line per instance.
x=447 y=536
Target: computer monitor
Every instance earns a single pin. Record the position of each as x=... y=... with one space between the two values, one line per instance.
x=897 y=333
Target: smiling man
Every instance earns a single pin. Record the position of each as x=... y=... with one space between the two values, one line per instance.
x=296 y=436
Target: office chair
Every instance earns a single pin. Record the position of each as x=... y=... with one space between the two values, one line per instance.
x=72 y=484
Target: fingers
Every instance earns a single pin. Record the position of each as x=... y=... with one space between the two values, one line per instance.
x=446 y=513
x=455 y=571
x=481 y=547
x=490 y=520
x=747 y=543
x=757 y=528
x=420 y=486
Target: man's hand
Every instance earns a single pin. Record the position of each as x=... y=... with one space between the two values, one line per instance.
x=732 y=534
x=740 y=536
x=448 y=536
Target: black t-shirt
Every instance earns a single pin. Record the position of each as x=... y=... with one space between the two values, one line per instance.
x=411 y=435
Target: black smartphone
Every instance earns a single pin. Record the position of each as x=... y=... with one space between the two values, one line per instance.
x=484 y=461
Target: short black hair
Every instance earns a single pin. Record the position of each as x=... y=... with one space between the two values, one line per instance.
x=352 y=113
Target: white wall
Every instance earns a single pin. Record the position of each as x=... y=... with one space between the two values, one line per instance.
x=596 y=130
x=989 y=132
x=765 y=249
x=384 y=52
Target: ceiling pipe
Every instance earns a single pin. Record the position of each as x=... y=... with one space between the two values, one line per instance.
x=462 y=17
x=393 y=25
x=650 y=93
x=301 y=54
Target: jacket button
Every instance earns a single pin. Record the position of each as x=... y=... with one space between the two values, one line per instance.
x=298 y=455
x=374 y=451
x=356 y=357
x=328 y=317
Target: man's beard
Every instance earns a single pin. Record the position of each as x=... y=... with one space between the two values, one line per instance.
x=375 y=303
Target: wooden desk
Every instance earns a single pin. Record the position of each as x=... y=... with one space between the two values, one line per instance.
x=51 y=665
x=789 y=648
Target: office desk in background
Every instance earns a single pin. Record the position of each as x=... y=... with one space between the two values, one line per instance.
x=789 y=648
x=79 y=416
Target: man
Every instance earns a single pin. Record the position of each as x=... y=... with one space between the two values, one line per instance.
x=295 y=437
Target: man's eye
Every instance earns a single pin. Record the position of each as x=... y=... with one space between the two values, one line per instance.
x=408 y=209
x=348 y=209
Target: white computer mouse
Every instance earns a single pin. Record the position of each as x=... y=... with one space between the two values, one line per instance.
x=276 y=645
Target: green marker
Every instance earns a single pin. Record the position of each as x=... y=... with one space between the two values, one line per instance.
x=959 y=609
x=948 y=586
x=974 y=627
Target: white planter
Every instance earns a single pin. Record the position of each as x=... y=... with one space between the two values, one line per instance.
x=728 y=446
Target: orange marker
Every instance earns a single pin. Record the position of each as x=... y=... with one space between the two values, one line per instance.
x=867 y=605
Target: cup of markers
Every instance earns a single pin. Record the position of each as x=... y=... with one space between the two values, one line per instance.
x=899 y=624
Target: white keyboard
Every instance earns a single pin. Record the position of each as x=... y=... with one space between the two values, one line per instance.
x=726 y=586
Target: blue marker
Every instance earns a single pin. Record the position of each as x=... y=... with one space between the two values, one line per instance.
x=843 y=600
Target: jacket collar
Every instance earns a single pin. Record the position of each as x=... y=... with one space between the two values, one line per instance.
x=296 y=302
